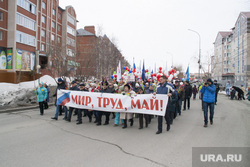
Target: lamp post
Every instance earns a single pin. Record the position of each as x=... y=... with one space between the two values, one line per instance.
x=38 y=67
x=199 y=61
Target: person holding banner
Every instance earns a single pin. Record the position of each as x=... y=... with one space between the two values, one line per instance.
x=79 y=114
x=73 y=87
x=164 y=88
x=140 y=91
x=126 y=116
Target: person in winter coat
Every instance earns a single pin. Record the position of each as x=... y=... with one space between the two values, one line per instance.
x=117 y=114
x=188 y=93
x=208 y=91
x=217 y=90
x=248 y=94
x=180 y=90
x=74 y=87
x=142 y=115
x=60 y=85
x=164 y=88
x=127 y=116
x=41 y=96
x=194 y=91
x=46 y=106
x=228 y=86
x=172 y=100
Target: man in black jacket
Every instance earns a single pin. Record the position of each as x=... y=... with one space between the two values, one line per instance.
x=79 y=114
x=217 y=90
x=60 y=85
x=75 y=88
x=188 y=94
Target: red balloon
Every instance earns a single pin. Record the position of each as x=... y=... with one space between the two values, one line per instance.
x=160 y=71
x=152 y=75
x=126 y=68
x=160 y=68
x=115 y=75
x=155 y=74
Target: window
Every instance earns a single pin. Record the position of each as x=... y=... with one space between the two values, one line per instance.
x=43 y=33
x=1 y=16
x=1 y=35
x=27 y=5
x=44 y=5
x=43 y=19
x=59 y=40
x=42 y=47
x=71 y=31
x=25 y=38
x=71 y=20
x=53 y=24
x=71 y=41
x=52 y=37
x=70 y=52
x=25 y=21
x=59 y=28
x=54 y=12
x=59 y=16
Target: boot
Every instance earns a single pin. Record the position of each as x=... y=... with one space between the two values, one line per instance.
x=131 y=122
x=125 y=124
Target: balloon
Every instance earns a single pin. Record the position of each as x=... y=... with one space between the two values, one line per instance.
x=177 y=72
x=114 y=72
x=124 y=67
x=115 y=75
x=152 y=75
x=112 y=77
x=148 y=73
x=160 y=71
x=160 y=68
x=130 y=71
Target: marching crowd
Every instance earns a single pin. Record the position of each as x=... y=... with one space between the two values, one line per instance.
x=178 y=92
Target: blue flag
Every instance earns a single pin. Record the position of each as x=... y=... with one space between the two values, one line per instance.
x=143 y=72
x=187 y=74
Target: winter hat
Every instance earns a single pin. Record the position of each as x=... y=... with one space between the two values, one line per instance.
x=127 y=86
x=209 y=80
x=59 y=80
x=137 y=85
x=73 y=82
x=215 y=80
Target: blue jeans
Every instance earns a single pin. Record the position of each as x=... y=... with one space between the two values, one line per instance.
x=57 y=111
x=227 y=91
x=211 y=108
x=117 y=118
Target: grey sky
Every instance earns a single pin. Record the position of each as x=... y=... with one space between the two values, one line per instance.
x=154 y=29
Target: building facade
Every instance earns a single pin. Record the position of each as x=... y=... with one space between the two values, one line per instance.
x=98 y=56
x=31 y=32
x=231 y=59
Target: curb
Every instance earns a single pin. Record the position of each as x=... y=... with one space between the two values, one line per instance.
x=22 y=108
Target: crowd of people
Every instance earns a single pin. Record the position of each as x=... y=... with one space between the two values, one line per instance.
x=178 y=92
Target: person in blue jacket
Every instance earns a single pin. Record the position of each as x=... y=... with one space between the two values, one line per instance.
x=208 y=90
x=41 y=96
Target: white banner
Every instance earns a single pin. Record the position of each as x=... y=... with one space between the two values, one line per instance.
x=144 y=103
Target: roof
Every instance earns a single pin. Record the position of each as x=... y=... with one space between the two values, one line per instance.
x=225 y=33
x=247 y=14
x=82 y=32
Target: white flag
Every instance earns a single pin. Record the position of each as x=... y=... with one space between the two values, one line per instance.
x=119 y=72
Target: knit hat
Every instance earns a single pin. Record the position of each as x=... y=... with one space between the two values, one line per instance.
x=209 y=80
x=59 y=80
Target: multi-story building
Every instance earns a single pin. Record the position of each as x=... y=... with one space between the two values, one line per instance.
x=97 y=55
x=30 y=32
x=231 y=60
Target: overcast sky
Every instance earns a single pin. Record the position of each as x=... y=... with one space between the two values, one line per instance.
x=156 y=30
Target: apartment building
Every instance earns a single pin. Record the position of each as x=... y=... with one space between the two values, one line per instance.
x=231 y=59
x=29 y=32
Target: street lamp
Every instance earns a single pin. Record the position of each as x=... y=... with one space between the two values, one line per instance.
x=38 y=67
x=199 y=61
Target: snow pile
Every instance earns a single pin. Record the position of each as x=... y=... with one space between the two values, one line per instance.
x=22 y=93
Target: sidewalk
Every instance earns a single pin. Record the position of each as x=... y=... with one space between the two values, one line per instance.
x=20 y=108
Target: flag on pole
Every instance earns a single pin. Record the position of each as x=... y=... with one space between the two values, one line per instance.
x=143 y=72
x=134 y=67
x=187 y=74
x=119 y=72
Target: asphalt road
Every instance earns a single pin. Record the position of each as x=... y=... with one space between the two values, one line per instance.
x=28 y=139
